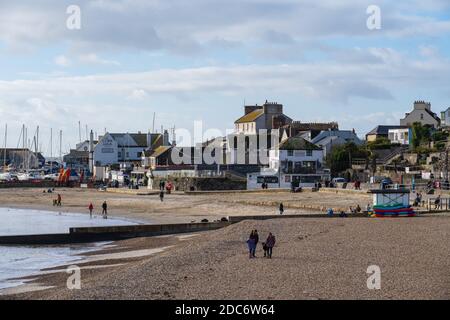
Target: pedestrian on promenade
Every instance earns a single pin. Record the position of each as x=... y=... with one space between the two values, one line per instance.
x=91 y=208
x=281 y=208
x=105 y=210
x=270 y=243
x=437 y=203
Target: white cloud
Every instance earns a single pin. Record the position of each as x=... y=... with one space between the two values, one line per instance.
x=62 y=61
x=138 y=94
x=92 y=58
x=186 y=27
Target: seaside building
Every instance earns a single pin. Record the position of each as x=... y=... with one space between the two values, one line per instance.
x=125 y=148
x=445 y=118
x=329 y=139
x=421 y=113
x=295 y=162
x=381 y=131
x=78 y=158
x=401 y=136
x=308 y=130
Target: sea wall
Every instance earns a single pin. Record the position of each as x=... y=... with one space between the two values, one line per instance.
x=203 y=183
x=28 y=184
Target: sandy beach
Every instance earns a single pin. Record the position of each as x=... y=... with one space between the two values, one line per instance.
x=313 y=259
x=180 y=207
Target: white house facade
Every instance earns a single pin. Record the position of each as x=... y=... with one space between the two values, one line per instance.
x=117 y=148
x=295 y=162
x=401 y=136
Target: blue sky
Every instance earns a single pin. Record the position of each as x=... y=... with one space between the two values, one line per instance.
x=201 y=59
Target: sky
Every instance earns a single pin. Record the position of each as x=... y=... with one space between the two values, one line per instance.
x=201 y=60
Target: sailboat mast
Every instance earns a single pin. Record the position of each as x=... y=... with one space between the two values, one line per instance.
x=60 y=145
x=4 y=153
x=37 y=139
x=51 y=150
x=79 y=130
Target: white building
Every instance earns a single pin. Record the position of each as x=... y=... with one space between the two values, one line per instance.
x=117 y=148
x=445 y=118
x=401 y=136
x=294 y=162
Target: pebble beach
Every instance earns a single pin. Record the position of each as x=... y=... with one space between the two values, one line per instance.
x=316 y=258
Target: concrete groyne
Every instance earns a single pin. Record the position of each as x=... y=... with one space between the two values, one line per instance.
x=113 y=233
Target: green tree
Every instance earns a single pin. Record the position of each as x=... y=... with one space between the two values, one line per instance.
x=420 y=134
x=341 y=156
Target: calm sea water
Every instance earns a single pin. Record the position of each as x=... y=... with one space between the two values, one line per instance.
x=19 y=261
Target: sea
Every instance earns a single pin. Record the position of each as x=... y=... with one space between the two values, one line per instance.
x=20 y=261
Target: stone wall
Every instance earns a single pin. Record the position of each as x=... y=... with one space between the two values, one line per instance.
x=203 y=184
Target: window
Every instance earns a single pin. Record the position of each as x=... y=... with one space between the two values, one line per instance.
x=267 y=179
x=290 y=153
x=421 y=116
x=309 y=153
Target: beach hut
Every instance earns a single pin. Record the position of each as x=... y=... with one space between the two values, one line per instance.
x=391 y=203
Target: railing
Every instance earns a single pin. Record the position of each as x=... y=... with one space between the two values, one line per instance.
x=444 y=204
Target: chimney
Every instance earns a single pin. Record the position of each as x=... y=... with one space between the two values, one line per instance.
x=166 y=138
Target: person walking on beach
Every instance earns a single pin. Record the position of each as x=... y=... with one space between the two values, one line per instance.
x=58 y=203
x=251 y=243
x=105 y=210
x=91 y=208
x=281 y=208
x=256 y=236
x=161 y=195
x=270 y=243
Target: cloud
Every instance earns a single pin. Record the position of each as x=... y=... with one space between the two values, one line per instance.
x=138 y=94
x=62 y=61
x=92 y=58
x=186 y=28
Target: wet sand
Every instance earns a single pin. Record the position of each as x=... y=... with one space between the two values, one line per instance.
x=313 y=259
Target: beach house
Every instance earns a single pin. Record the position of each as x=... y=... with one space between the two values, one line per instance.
x=294 y=162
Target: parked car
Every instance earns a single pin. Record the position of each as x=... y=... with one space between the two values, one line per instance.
x=51 y=176
x=339 y=180
x=5 y=177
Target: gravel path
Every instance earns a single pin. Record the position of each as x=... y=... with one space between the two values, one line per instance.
x=313 y=259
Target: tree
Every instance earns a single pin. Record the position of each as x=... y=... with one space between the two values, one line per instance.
x=341 y=156
x=420 y=134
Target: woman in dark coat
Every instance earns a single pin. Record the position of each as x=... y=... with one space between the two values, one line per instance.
x=270 y=243
x=251 y=242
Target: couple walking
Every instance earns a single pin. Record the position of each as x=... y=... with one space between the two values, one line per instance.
x=252 y=243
